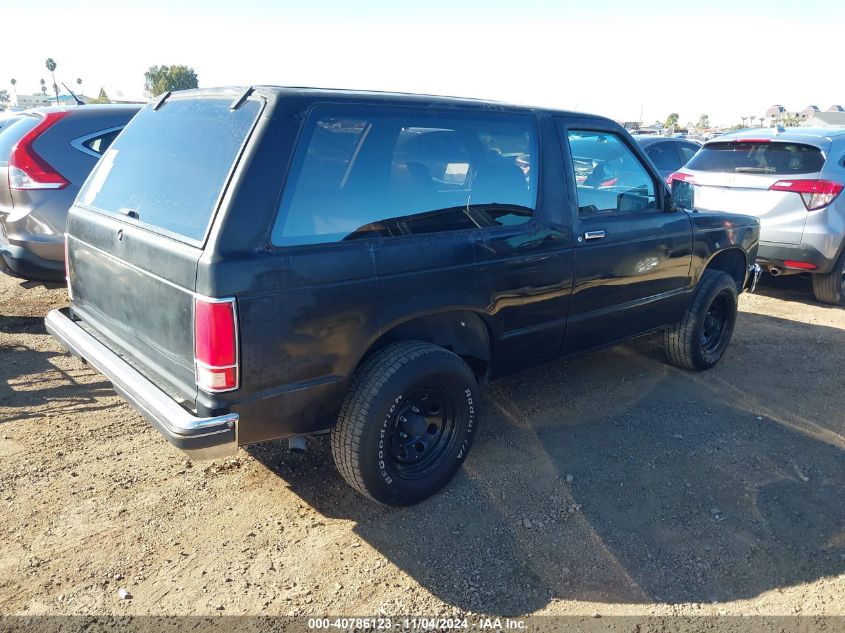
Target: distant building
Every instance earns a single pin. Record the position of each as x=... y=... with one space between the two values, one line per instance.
x=825 y=119
x=36 y=100
x=113 y=94
x=775 y=112
x=835 y=108
x=809 y=111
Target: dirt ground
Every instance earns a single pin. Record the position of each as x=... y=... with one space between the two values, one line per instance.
x=607 y=484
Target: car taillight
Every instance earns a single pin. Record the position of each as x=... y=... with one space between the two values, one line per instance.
x=28 y=170
x=815 y=193
x=679 y=175
x=215 y=345
x=791 y=263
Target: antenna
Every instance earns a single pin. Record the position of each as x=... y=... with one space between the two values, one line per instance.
x=77 y=99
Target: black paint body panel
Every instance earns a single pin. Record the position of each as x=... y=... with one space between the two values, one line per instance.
x=510 y=297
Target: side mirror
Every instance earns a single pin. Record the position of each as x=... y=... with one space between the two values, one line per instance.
x=683 y=195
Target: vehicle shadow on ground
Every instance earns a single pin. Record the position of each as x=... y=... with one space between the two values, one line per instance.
x=33 y=381
x=616 y=478
x=793 y=288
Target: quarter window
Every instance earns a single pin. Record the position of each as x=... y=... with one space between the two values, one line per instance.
x=609 y=177
x=99 y=144
x=361 y=174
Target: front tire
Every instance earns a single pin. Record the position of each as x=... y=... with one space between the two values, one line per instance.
x=407 y=423
x=701 y=337
x=830 y=287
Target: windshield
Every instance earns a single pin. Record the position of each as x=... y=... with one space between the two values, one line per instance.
x=782 y=159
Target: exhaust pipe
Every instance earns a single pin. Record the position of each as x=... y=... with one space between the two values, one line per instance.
x=774 y=271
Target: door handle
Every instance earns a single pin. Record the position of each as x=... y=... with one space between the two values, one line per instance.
x=593 y=235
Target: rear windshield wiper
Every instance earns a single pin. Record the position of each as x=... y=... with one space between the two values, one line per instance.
x=754 y=170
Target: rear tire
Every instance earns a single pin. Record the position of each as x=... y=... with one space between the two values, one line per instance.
x=701 y=337
x=830 y=287
x=407 y=423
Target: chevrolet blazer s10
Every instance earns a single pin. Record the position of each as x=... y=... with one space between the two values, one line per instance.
x=262 y=263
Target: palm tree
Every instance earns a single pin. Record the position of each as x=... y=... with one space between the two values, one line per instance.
x=743 y=120
x=51 y=66
x=14 y=83
x=43 y=87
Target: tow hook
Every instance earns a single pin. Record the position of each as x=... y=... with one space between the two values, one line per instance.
x=754 y=275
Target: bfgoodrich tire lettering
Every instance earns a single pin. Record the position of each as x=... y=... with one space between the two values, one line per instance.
x=701 y=337
x=407 y=422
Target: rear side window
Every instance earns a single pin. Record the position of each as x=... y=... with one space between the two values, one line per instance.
x=664 y=155
x=100 y=144
x=782 y=159
x=169 y=167
x=391 y=173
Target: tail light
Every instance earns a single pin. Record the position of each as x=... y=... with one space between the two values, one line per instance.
x=679 y=175
x=791 y=263
x=28 y=170
x=215 y=344
x=815 y=193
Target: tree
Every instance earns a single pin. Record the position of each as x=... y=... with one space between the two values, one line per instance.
x=43 y=87
x=14 y=83
x=4 y=99
x=51 y=66
x=672 y=120
x=703 y=122
x=160 y=79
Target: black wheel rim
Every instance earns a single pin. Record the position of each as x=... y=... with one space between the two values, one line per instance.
x=423 y=431
x=714 y=324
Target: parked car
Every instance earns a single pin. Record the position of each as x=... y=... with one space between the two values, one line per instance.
x=45 y=156
x=288 y=262
x=668 y=154
x=791 y=180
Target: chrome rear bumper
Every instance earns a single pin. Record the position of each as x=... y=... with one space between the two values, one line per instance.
x=200 y=438
x=754 y=272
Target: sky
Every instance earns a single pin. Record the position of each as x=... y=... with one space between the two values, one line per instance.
x=723 y=58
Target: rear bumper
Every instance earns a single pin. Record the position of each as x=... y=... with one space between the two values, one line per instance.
x=771 y=255
x=200 y=438
x=20 y=262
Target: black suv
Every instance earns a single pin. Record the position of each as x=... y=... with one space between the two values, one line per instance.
x=246 y=265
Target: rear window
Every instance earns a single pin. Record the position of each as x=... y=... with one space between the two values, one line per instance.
x=362 y=173
x=758 y=158
x=168 y=167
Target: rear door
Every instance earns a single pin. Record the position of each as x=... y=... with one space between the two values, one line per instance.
x=632 y=259
x=737 y=176
x=139 y=224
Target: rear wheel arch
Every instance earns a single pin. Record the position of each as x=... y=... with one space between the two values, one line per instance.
x=463 y=332
x=732 y=261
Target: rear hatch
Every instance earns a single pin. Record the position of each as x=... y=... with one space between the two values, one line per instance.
x=745 y=176
x=138 y=226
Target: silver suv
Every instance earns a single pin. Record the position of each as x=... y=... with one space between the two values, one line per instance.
x=791 y=180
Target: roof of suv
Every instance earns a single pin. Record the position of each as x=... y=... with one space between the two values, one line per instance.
x=790 y=135
x=344 y=94
x=93 y=107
